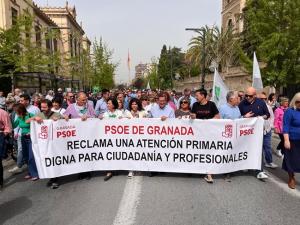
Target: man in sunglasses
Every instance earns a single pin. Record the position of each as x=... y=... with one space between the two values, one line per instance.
x=252 y=106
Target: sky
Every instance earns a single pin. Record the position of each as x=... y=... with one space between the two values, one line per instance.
x=141 y=27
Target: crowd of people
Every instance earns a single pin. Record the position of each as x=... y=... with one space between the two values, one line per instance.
x=18 y=109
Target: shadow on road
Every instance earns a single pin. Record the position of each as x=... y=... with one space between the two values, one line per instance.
x=14 y=207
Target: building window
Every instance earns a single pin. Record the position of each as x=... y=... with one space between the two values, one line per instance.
x=55 y=44
x=14 y=16
x=75 y=46
x=71 y=44
x=38 y=38
x=230 y=23
x=48 y=44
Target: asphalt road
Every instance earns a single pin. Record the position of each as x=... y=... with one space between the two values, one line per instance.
x=161 y=200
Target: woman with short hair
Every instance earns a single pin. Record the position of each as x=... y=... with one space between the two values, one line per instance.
x=112 y=113
x=278 y=123
x=291 y=134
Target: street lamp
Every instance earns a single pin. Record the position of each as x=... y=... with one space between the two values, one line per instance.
x=202 y=76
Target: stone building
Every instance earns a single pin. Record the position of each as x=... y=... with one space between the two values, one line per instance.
x=236 y=78
x=143 y=70
x=70 y=41
x=231 y=14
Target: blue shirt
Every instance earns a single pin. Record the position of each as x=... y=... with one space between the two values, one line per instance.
x=157 y=112
x=258 y=107
x=228 y=111
x=101 y=107
x=291 y=123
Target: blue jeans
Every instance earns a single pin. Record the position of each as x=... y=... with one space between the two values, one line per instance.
x=20 y=159
x=28 y=155
x=267 y=148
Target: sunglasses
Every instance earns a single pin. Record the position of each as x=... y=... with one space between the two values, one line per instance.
x=263 y=98
x=249 y=96
x=184 y=102
x=297 y=102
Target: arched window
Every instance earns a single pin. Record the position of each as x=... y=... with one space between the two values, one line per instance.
x=230 y=23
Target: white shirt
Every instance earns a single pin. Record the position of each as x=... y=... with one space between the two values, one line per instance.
x=60 y=111
x=113 y=115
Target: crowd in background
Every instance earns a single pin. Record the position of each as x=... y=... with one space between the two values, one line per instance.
x=18 y=109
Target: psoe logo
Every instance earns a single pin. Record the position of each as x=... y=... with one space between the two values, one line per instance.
x=44 y=132
x=66 y=133
x=228 y=131
x=246 y=132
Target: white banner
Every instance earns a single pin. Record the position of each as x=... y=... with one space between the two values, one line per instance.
x=182 y=146
x=220 y=90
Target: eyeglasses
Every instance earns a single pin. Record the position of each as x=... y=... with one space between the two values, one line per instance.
x=249 y=96
x=263 y=98
x=297 y=102
x=184 y=102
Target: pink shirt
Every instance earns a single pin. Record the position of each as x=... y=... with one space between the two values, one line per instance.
x=278 y=120
x=5 y=124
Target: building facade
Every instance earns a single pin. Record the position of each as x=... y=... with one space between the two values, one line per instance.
x=143 y=70
x=231 y=14
x=54 y=29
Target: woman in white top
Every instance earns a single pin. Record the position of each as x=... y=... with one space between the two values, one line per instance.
x=136 y=111
x=125 y=112
x=56 y=106
x=112 y=113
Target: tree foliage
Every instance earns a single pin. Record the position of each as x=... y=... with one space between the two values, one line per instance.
x=171 y=62
x=103 y=67
x=213 y=45
x=18 y=51
x=272 y=29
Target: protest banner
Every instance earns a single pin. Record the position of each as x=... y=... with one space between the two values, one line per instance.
x=175 y=145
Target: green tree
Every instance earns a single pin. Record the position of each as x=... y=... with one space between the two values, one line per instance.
x=171 y=62
x=20 y=53
x=103 y=67
x=272 y=29
x=212 y=45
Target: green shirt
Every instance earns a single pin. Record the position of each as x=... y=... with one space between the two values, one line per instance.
x=21 y=122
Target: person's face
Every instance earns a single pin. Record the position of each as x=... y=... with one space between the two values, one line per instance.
x=234 y=101
x=110 y=105
x=120 y=97
x=250 y=96
x=17 y=91
x=45 y=108
x=241 y=95
x=70 y=96
x=187 y=93
x=81 y=100
x=134 y=106
x=139 y=94
x=24 y=102
x=9 y=106
x=285 y=104
x=55 y=105
x=297 y=103
x=162 y=102
x=1 y=93
x=145 y=103
x=106 y=95
x=36 y=99
x=120 y=104
x=263 y=97
x=199 y=97
x=184 y=104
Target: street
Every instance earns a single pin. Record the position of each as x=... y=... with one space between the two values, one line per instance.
x=163 y=199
